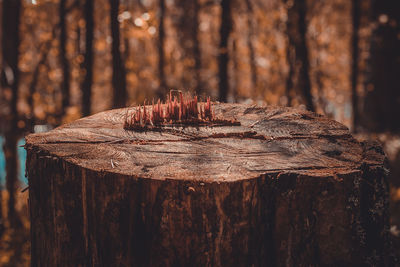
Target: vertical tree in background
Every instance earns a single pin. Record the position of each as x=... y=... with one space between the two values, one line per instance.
x=354 y=64
x=253 y=67
x=196 y=47
x=299 y=63
x=382 y=101
x=161 y=36
x=119 y=73
x=65 y=85
x=88 y=61
x=236 y=71
x=188 y=31
x=10 y=73
x=223 y=57
x=290 y=58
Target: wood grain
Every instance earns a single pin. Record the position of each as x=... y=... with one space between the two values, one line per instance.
x=286 y=187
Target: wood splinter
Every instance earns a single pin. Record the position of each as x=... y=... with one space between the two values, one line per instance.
x=185 y=111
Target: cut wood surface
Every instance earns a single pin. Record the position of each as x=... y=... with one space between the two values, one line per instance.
x=285 y=187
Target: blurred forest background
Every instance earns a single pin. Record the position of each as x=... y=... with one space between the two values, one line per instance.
x=64 y=59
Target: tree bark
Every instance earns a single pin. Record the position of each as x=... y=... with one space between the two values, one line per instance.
x=161 y=55
x=285 y=187
x=297 y=30
x=196 y=48
x=354 y=64
x=382 y=101
x=252 y=57
x=223 y=57
x=88 y=61
x=236 y=81
x=65 y=85
x=188 y=34
x=289 y=79
x=119 y=73
x=10 y=54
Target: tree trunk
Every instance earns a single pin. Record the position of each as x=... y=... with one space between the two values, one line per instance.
x=161 y=56
x=188 y=34
x=252 y=57
x=223 y=57
x=290 y=59
x=236 y=71
x=285 y=187
x=65 y=85
x=196 y=48
x=88 y=61
x=297 y=30
x=119 y=74
x=354 y=65
x=382 y=101
x=10 y=54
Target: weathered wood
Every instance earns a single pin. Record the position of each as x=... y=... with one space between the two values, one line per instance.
x=286 y=187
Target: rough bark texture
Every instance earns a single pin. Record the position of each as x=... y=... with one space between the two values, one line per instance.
x=285 y=188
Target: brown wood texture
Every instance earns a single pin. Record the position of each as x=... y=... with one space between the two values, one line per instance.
x=285 y=188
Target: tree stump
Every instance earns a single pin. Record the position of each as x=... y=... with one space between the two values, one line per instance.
x=285 y=187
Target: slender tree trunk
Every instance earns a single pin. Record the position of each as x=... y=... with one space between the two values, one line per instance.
x=319 y=74
x=223 y=57
x=10 y=45
x=119 y=73
x=65 y=85
x=382 y=101
x=88 y=61
x=297 y=30
x=34 y=82
x=354 y=65
x=161 y=55
x=253 y=67
x=235 y=89
x=289 y=80
x=188 y=30
x=196 y=48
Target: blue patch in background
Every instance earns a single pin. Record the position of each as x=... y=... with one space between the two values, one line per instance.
x=2 y=164
x=21 y=162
